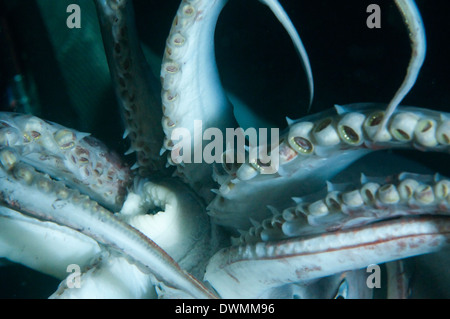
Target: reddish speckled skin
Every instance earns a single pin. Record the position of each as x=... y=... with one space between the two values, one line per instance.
x=83 y=161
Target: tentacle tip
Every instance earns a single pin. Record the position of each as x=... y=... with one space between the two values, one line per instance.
x=340 y=109
x=82 y=135
x=297 y=200
x=130 y=150
x=363 y=179
x=289 y=121
x=273 y=210
x=330 y=186
x=254 y=222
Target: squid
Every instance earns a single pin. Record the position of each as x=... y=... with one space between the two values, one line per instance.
x=298 y=226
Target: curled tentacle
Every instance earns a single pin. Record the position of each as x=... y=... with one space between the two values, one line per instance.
x=82 y=161
x=413 y=21
x=282 y=16
x=191 y=88
x=23 y=190
x=169 y=213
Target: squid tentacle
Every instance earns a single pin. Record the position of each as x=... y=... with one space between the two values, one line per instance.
x=348 y=285
x=137 y=89
x=413 y=21
x=82 y=161
x=403 y=195
x=109 y=277
x=43 y=246
x=178 y=225
x=282 y=16
x=381 y=220
x=314 y=149
x=191 y=88
x=345 y=229
x=32 y=193
x=245 y=271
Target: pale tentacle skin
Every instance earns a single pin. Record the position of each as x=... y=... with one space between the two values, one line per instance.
x=189 y=55
x=346 y=285
x=109 y=277
x=321 y=145
x=413 y=21
x=50 y=248
x=398 y=278
x=191 y=88
x=348 y=207
x=181 y=228
x=83 y=162
x=282 y=16
x=34 y=194
x=245 y=271
x=317 y=249
x=43 y=246
x=344 y=222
